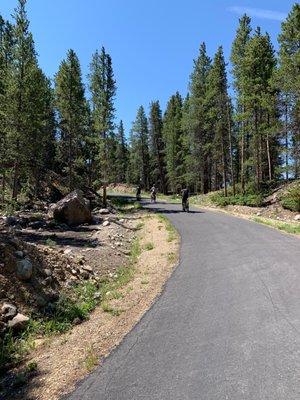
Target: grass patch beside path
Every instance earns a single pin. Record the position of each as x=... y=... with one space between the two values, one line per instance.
x=282 y=226
x=72 y=307
x=149 y=246
x=69 y=309
x=172 y=233
x=169 y=198
x=125 y=204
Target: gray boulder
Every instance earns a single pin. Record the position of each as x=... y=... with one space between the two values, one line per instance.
x=103 y=211
x=11 y=221
x=24 y=269
x=87 y=268
x=72 y=209
x=8 y=311
x=19 y=322
x=19 y=254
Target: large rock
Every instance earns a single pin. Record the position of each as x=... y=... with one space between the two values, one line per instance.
x=104 y=211
x=8 y=311
x=24 y=269
x=72 y=209
x=19 y=322
x=297 y=217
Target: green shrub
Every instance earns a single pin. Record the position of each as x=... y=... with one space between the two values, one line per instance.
x=218 y=198
x=10 y=207
x=49 y=242
x=291 y=200
x=251 y=200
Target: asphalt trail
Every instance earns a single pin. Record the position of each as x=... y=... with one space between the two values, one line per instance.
x=227 y=326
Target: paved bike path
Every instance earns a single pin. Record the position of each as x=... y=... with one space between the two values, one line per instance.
x=227 y=326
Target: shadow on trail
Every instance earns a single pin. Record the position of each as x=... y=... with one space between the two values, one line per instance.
x=158 y=207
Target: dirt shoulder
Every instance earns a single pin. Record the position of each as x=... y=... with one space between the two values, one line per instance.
x=65 y=359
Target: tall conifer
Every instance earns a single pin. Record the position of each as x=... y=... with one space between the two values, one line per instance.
x=72 y=115
x=157 y=147
x=103 y=90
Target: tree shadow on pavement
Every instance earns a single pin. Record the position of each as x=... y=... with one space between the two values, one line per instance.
x=163 y=210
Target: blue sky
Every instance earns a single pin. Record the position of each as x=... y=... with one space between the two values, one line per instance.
x=152 y=42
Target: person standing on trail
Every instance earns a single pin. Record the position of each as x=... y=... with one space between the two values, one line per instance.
x=138 y=193
x=153 y=192
x=185 y=198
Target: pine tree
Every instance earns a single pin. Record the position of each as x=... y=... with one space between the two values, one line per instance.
x=6 y=43
x=172 y=134
x=189 y=175
x=289 y=64
x=199 y=135
x=103 y=90
x=20 y=110
x=121 y=154
x=139 y=168
x=157 y=147
x=90 y=148
x=217 y=105
x=72 y=116
x=112 y=144
x=40 y=148
x=260 y=102
x=237 y=58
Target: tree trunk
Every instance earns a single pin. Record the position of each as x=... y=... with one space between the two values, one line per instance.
x=269 y=159
x=243 y=155
x=15 y=181
x=286 y=143
x=242 y=163
x=224 y=169
x=104 y=195
x=90 y=171
x=230 y=151
x=3 y=186
x=70 y=163
x=257 y=155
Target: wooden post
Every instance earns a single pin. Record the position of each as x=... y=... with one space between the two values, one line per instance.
x=104 y=194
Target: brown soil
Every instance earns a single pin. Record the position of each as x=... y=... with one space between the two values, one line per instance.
x=273 y=211
x=67 y=358
x=121 y=188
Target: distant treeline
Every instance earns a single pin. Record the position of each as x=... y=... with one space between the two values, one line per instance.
x=206 y=140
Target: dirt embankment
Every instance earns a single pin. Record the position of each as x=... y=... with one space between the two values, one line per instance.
x=274 y=211
x=60 y=257
x=281 y=205
x=64 y=359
